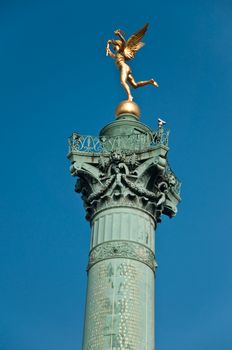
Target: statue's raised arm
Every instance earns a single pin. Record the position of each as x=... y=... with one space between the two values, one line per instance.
x=123 y=51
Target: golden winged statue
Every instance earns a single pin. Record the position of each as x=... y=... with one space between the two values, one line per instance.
x=125 y=51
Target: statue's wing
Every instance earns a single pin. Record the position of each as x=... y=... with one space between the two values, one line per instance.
x=133 y=44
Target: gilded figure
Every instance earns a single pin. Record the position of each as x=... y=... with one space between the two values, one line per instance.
x=125 y=50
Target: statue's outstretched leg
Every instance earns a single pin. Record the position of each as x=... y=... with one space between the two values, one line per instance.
x=141 y=83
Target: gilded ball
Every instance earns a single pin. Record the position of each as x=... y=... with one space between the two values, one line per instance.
x=127 y=107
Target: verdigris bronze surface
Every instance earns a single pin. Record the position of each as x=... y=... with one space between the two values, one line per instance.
x=126 y=185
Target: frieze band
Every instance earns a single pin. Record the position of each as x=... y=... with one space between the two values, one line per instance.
x=122 y=249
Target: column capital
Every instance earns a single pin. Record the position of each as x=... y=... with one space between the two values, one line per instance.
x=125 y=170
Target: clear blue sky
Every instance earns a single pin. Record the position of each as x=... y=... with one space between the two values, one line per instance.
x=54 y=79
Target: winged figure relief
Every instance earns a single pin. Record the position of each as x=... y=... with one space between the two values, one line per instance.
x=125 y=50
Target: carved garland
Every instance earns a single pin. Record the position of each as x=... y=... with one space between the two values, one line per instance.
x=104 y=188
x=122 y=249
x=139 y=190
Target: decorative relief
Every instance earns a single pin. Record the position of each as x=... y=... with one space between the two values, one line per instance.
x=132 y=179
x=122 y=249
x=103 y=144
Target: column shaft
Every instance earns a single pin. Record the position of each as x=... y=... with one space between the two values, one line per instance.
x=120 y=293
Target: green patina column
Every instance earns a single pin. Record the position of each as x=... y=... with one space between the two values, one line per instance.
x=126 y=185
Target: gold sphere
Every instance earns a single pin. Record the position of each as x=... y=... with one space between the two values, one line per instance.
x=127 y=107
